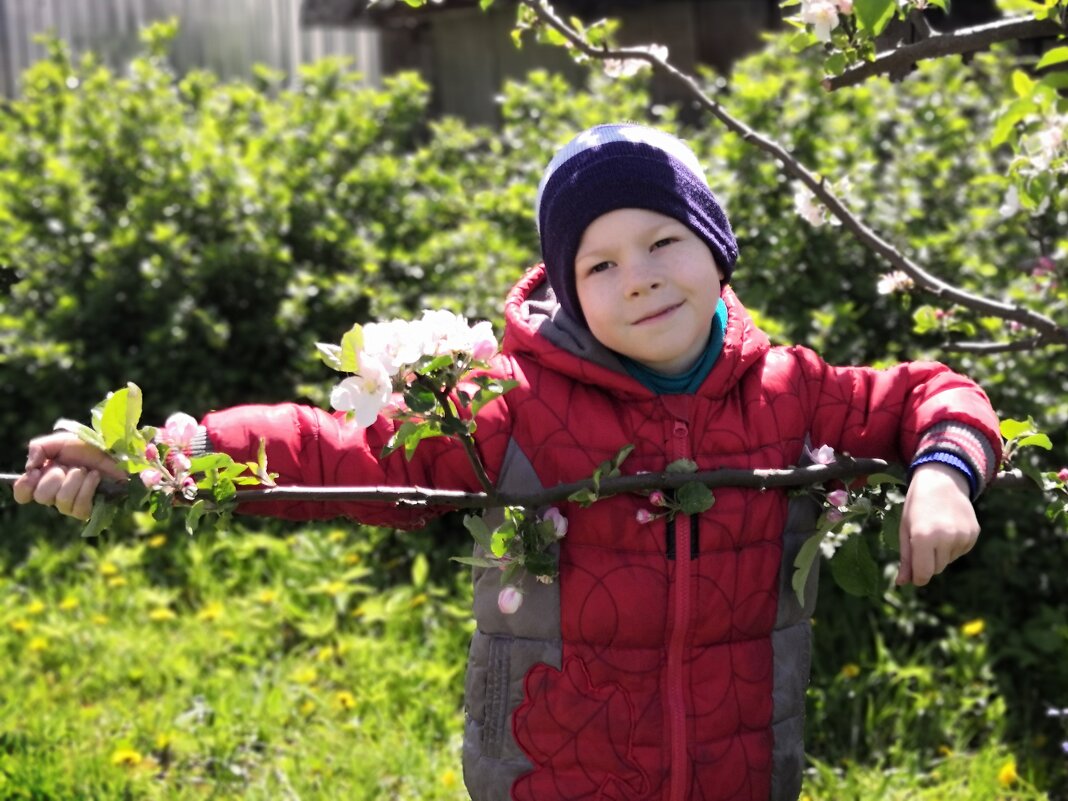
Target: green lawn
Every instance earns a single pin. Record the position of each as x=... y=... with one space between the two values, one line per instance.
x=259 y=667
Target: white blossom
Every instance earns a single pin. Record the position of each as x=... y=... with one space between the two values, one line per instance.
x=558 y=520
x=394 y=344
x=824 y=454
x=627 y=67
x=808 y=207
x=822 y=15
x=895 y=281
x=364 y=395
x=509 y=599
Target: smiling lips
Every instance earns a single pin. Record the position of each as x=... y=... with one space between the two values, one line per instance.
x=658 y=315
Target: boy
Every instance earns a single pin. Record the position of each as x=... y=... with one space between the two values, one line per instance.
x=670 y=659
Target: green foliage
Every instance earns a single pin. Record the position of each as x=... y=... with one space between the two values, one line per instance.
x=199 y=237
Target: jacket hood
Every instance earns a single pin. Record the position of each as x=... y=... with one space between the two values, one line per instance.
x=538 y=328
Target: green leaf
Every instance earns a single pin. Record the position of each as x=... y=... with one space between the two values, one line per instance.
x=478 y=529
x=420 y=571
x=694 y=498
x=330 y=355
x=118 y=420
x=874 y=15
x=82 y=431
x=891 y=527
x=682 y=466
x=1022 y=83
x=102 y=515
x=1057 y=55
x=1037 y=441
x=475 y=561
x=854 y=569
x=491 y=391
x=501 y=539
x=806 y=557
x=485 y=4
x=583 y=497
x=194 y=515
x=351 y=345
x=1011 y=429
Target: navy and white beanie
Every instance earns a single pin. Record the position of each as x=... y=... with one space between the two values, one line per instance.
x=618 y=166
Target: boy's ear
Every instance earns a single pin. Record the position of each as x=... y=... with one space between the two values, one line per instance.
x=719 y=272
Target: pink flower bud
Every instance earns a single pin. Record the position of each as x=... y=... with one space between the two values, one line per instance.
x=1063 y=475
x=178 y=462
x=509 y=599
x=151 y=477
x=189 y=488
x=657 y=498
x=834 y=515
x=558 y=520
x=838 y=497
x=644 y=516
x=151 y=452
x=824 y=454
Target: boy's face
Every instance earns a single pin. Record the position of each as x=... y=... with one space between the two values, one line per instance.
x=648 y=287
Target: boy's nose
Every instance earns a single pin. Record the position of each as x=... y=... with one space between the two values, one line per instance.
x=642 y=277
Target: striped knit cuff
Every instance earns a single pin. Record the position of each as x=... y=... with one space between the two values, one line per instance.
x=963 y=442
x=201 y=443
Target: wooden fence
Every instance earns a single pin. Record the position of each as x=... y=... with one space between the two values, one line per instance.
x=225 y=36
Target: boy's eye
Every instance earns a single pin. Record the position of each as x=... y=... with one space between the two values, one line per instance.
x=662 y=242
x=600 y=267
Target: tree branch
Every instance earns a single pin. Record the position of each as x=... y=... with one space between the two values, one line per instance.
x=938 y=45
x=995 y=347
x=1051 y=332
x=846 y=468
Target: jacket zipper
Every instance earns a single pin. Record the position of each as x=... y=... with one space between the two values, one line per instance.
x=676 y=679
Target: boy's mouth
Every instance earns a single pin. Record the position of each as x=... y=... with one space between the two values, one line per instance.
x=657 y=315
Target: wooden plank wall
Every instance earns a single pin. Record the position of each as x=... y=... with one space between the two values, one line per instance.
x=225 y=36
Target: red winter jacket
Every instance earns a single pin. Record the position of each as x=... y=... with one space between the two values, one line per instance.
x=669 y=661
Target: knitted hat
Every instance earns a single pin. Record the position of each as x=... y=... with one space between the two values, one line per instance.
x=618 y=166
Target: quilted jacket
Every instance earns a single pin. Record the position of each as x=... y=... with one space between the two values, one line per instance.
x=670 y=660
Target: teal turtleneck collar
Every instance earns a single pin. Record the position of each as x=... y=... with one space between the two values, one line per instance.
x=690 y=380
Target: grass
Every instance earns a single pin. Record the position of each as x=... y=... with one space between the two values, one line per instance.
x=312 y=666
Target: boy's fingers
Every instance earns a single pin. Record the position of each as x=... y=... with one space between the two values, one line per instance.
x=68 y=450
x=25 y=485
x=83 y=503
x=68 y=490
x=924 y=559
x=48 y=485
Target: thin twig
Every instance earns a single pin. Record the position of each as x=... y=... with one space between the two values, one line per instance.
x=1050 y=330
x=995 y=347
x=939 y=45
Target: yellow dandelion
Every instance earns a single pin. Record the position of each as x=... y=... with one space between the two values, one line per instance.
x=345 y=699
x=449 y=779
x=973 y=628
x=101 y=620
x=210 y=612
x=333 y=587
x=326 y=654
x=351 y=559
x=127 y=757
x=38 y=644
x=417 y=601
x=945 y=750
x=307 y=707
x=1007 y=775
x=337 y=535
x=19 y=625
x=266 y=597
x=850 y=671
x=157 y=541
x=163 y=740
x=108 y=569
x=69 y=603
x=305 y=675
x=116 y=581
x=35 y=608
x=161 y=615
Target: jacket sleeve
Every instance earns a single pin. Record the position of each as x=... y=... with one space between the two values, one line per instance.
x=902 y=413
x=307 y=446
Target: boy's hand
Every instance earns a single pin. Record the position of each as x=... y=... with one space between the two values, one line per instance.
x=938 y=523
x=64 y=472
